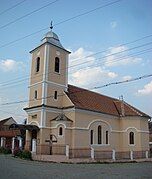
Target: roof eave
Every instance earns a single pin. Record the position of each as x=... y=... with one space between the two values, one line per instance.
x=51 y=44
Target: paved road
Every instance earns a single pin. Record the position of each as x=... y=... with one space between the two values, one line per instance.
x=13 y=168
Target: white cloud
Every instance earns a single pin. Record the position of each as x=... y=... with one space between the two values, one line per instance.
x=146 y=90
x=91 y=76
x=118 y=56
x=81 y=56
x=128 y=77
x=113 y=24
x=11 y=65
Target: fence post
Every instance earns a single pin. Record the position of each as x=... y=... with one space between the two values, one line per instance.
x=92 y=153
x=2 y=141
x=131 y=155
x=33 y=145
x=146 y=154
x=20 y=143
x=113 y=155
x=67 y=151
x=13 y=144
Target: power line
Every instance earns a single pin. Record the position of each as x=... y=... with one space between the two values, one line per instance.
x=123 y=44
x=121 y=58
x=96 y=87
x=113 y=54
x=116 y=59
x=87 y=12
x=12 y=113
x=124 y=81
x=69 y=19
x=28 y=14
x=12 y=7
x=136 y=40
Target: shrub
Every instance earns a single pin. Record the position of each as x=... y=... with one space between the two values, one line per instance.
x=17 y=152
x=26 y=155
x=2 y=150
x=5 y=150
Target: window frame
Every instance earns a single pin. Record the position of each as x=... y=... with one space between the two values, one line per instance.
x=56 y=95
x=131 y=138
x=37 y=69
x=107 y=137
x=99 y=135
x=60 y=131
x=57 y=65
x=91 y=137
x=35 y=94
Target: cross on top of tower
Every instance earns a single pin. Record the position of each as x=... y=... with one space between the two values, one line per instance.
x=51 y=27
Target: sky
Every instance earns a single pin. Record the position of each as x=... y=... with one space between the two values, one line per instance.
x=109 y=34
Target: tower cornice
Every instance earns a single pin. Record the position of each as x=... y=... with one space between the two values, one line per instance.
x=50 y=44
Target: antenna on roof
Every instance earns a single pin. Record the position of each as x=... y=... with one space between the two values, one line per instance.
x=51 y=27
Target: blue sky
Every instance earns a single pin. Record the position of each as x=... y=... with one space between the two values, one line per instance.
x=104 y=29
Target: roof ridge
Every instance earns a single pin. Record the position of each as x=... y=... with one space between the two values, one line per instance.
x=134 y=109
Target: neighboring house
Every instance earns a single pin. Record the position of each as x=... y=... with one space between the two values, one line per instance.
x=150 y=136
x=88 y=123
x=7 y=135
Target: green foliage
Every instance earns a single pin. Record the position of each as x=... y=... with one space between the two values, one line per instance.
x=17 y=152
x=25 y=154
x=4 y=150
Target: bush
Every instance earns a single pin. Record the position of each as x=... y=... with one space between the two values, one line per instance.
x=17 y=152
x=4 y=150
x=26 y=155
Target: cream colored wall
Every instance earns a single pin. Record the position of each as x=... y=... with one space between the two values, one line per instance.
x=33 y=101
x=84 y=118
x=59 y=78
x=118 y=137
x=43 y=134
x=66 y=102
x=35 y=120
x=55 y=125
x=50 y=101
x=37 y=76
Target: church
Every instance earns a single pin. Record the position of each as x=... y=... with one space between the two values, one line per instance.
x=76 y=122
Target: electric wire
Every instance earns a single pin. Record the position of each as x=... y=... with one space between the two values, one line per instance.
x=96 y=87
x=72 y=66
x=28 y=14
x=12 y=7
x=59 y=23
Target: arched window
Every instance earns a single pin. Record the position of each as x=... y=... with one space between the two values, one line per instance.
x=35 y=94
x=91 y=137
x=55 y=94
x=60 y=131
x=38 y=64
x=57 y=64
x=107 y=137
x=131 y=138
x=99 y=135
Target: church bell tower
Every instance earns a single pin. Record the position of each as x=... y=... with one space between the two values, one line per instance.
x=48 y=80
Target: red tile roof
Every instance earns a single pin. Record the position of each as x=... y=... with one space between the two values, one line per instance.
x=88 y=100
x=10 y=133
